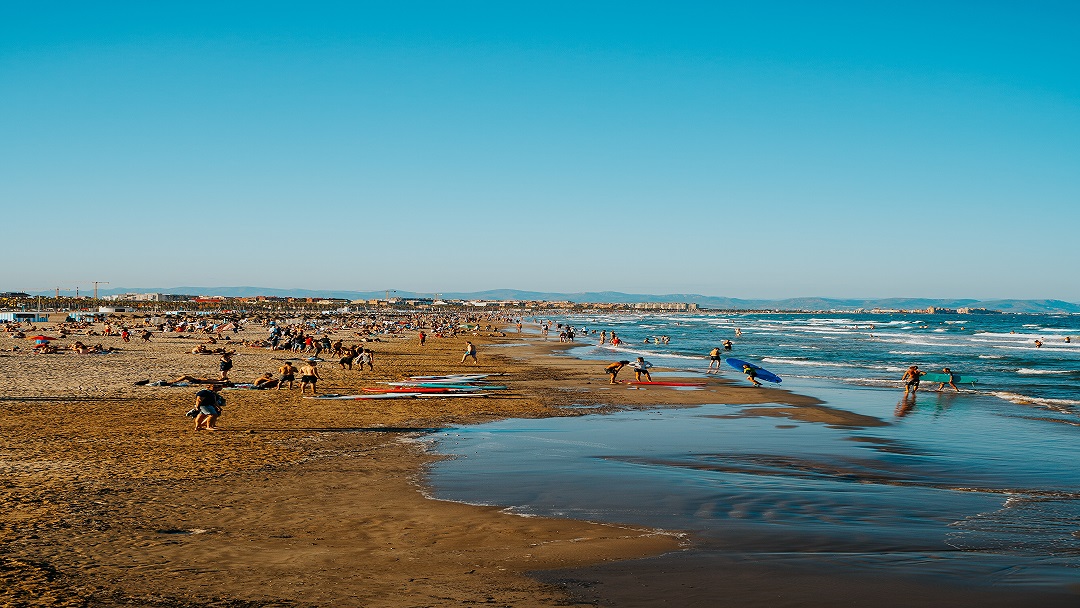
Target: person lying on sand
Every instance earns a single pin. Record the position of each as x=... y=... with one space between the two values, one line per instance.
x=266 y=380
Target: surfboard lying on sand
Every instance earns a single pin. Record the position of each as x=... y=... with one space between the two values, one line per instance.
x=396 y=396
x=939 y=377
x=762 y=373
x=450 y=378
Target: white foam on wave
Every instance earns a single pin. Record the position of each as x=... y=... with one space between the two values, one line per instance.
x=1058 y=404
x=913 y=353
x=806 y=362
x=991 y=356
x=1031 y=372
x=650 y=353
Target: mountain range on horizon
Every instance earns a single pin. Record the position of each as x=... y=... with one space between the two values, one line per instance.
x=709 y=302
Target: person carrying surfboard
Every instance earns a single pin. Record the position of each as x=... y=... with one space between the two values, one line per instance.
x=751 y=374
x=951 y=382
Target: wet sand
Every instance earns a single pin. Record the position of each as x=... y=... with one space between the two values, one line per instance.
x=110 y=498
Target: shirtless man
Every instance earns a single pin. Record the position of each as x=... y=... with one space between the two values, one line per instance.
x=714 y=357
x=309 y=375
x=265 y=381
x=288 y=374
x=470 y=351
x=911 y=379
x=613 y=369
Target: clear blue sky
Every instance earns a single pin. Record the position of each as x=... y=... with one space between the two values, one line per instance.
x=745 y=149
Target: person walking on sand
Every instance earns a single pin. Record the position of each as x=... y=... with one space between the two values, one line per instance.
x=951 y=382
x=911 y=379
x=225 y=365
x=423 y=338
x=309 y=375
x=641 y=366
x=613 y=369
x=470 y=351
x=208 y=402
x=751 y=374
x=714 y=357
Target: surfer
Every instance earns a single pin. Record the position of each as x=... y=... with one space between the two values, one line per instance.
x=714 y=357
x=751 y=374
x=911 y=379
x=641 y=366
x=613 y=369
x=951 y=382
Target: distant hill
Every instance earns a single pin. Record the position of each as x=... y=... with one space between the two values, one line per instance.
x=710 y=302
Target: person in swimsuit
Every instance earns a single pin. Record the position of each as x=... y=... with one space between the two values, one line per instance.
x=911 y=379
x=751 y=374
x=613 y=369
x=714 y=357
x=288 y=374
x=951 y=382
x=225 y=365
x=309 y=375
x=470 y=351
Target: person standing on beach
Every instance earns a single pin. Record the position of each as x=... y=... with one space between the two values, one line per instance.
x=225 y=365
x=911 y=379
x=470 y=351
x=423 y=338
x=613 y=369
x=309 y=375
x=288 y=374
x=951 y=382
x=641 y=366
x=208 y=402
x=714 y=357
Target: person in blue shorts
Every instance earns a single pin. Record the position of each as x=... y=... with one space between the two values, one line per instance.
x=209 y=403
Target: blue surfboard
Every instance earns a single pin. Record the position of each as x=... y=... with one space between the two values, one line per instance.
x=762 y=374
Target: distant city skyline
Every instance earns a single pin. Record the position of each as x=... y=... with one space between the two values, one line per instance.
x=761 y=151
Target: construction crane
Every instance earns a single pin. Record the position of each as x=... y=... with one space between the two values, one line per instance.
x=96 y=283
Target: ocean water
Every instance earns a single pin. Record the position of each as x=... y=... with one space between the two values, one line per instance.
x=981 y=486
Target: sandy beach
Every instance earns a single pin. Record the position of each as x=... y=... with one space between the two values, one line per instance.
x=112 y=499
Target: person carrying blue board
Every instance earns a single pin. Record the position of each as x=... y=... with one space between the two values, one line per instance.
x=751 y=374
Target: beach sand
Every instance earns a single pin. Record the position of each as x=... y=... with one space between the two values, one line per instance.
x=110 y=497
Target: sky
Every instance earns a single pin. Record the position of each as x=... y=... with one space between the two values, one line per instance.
x=743 y=149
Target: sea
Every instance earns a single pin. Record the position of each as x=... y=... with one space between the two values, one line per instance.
x=976 y=490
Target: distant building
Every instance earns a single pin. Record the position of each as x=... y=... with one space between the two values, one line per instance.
x=667 y=306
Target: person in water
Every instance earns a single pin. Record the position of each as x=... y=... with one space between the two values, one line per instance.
x=751 y=374
x=714 y=357
x=951 y=382
x=911 y=379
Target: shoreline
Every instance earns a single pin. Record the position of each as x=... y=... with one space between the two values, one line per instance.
x=114 y=498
